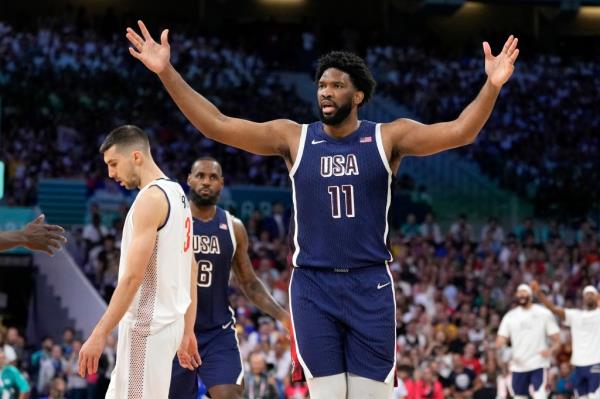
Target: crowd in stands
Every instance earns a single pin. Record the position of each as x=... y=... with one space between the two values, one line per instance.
x=452 y=288
x=542 y=136
x=63 y=90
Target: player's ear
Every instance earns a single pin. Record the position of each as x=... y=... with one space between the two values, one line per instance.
x=358 y=97
x=138 y=157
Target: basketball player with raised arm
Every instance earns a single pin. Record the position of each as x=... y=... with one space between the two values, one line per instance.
x=585 y=334
x=528 y=326
x=220 y=245
x=342 y=302
x=155 y=276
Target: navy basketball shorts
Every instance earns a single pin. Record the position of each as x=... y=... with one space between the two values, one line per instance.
x=221 y=364
x=344 y=321
x=521 y=381
x=587 y=379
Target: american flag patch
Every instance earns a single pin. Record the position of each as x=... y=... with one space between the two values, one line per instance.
x=367 y=139
x=223 y=226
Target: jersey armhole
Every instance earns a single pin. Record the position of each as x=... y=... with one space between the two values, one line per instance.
x=380 y=148
x=168 y=204
x=300 y=150
x=231 y=232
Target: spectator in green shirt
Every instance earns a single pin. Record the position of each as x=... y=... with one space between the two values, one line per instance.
x=11 y=381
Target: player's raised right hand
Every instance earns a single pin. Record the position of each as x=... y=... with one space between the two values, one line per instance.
x=153 y=55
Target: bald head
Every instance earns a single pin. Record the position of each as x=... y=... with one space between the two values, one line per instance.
x=207 y=162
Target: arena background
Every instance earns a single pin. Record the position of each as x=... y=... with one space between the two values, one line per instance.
x=521 y=203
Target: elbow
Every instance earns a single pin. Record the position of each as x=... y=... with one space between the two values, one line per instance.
x=464 y=134
x=214 y=130
x=132 y=280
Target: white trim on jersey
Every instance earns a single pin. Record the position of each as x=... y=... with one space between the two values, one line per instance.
x=240 y=378
x=231 y=232
x=292 y=173
x=385 y=162
x=300 y=150
x=390 y=377
x=381 y=149
x=307 y=372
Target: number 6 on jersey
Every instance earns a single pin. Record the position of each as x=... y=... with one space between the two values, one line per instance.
x=204 y=273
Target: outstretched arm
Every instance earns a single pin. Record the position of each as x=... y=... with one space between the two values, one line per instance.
x=268 y=138
x=36 y=235
x=557 y=310
x=150 y=213
x=250 y=284
x=408 y=137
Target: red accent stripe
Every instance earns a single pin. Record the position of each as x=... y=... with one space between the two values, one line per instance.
x=297 y=371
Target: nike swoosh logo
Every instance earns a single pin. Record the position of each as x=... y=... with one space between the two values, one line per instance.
x=228 y=324
x=317 y=141
x=379 y=286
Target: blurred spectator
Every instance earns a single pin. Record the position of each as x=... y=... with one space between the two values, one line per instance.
x=67 y=341
x=259 y=383
x=76 y=385
x=565 y=381
x=10 y=355
x=462 y=380
x=428 y=386
x=54 y=366
x=12 y=382
x=57 y=389
x=430 y=230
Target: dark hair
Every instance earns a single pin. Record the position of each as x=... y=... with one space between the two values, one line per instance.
x=126 y=135
x=354 y=66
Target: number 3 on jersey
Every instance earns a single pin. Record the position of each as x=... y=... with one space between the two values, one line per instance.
x=188 y=234
x=334 y=193
x=204 y=273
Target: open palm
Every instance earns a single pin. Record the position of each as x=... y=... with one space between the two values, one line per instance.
x=499 y=68
x=155 y=56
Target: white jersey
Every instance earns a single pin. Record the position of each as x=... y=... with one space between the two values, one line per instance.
x=585 y=331
x=164 y=294
x=528 y=330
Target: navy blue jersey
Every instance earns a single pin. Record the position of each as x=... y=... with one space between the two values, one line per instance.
x=342 y=193
x=214 y=247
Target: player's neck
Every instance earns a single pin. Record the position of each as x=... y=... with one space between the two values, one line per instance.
x=204 y=213
x=149 y=174
x=344 y=128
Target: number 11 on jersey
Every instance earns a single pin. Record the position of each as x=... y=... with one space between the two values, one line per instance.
x=334 y=193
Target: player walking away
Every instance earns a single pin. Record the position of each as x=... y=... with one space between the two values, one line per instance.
x=220 y=245
x=341 y=291
x=528 y=326
x=153 y=289
x=585 y=333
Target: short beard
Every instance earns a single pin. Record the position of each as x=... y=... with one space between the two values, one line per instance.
x=339 y=115
x=591 y=305
x=523 y=303
x=201 y=201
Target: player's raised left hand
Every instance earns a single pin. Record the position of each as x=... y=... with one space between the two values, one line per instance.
x=89 y=355
x=155 y=56
x=499 y=68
